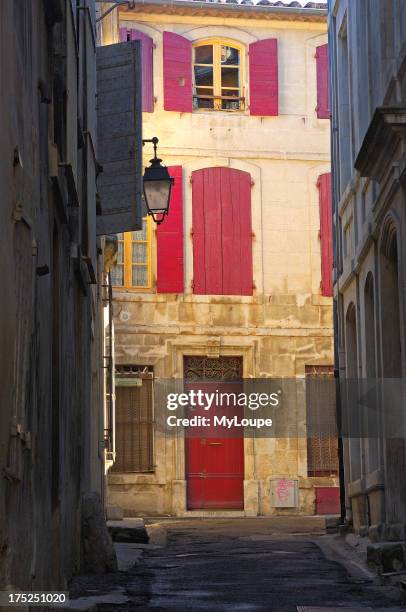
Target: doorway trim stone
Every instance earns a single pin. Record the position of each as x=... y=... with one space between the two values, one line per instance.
x=213 y=346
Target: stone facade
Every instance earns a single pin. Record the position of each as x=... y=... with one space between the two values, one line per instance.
x=287 y=323
x=51 y=321
x=368 y=61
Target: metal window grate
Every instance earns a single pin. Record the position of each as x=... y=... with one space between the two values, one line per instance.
x=322 y=456
x=134 y=424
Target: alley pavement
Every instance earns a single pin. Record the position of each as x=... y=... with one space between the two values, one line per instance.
x=239 y=565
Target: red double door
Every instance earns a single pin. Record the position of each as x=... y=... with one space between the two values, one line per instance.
x=214 y=458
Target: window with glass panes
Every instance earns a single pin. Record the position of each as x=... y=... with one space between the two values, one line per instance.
x=133 y=268
x=217 y=70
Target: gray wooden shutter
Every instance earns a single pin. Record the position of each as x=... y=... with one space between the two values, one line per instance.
x=119 y=108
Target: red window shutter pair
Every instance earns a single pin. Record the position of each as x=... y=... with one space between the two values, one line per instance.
x=263 y=71
x=222 y=236
x=147 y=49
x=323 y=93
x=326 y=234
x=169 y=240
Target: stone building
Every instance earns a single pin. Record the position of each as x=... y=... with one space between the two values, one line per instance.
x=232 y=284
x=367 y=61
x=53 y=318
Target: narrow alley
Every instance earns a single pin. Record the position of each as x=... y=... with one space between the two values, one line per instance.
x=203 y=314
x=235 y=564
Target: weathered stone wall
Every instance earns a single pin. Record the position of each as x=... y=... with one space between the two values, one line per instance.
x=50 y=334
x=287 y=324
x=156 y=330
x=367 y=61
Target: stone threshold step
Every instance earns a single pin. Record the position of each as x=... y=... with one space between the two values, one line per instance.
x=129 y=530
x=289 y=524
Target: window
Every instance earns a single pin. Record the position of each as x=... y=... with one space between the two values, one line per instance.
x=133 y=268
x=134 y=429
x=210 y=75
x=322 y=451
x=217 y=73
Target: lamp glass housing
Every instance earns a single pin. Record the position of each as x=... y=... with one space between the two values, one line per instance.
x=157 y=190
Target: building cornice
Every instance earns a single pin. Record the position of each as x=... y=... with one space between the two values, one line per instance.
x=387 y=128
x=270 y=11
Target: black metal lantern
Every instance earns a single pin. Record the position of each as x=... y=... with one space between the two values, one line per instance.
x=157 y=187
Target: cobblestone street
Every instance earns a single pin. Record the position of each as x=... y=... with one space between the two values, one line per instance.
x=238 y=564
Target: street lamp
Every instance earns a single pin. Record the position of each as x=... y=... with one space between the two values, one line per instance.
x=157 y=186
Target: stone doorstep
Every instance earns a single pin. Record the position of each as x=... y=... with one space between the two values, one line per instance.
x=130 y=530
x=127 y=523
x=212 y=514
x=288 y=524
x=325 y=522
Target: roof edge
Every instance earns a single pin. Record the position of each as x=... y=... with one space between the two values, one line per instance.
x=285 y=12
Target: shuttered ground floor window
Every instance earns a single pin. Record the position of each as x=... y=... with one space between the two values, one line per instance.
x=322 y=443
x=134 y=420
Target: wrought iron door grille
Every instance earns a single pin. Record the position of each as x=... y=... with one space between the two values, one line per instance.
x=209 y=368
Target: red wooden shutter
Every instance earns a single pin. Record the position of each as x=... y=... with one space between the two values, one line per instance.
x=222 y=239
x=263 y=59
x=326 y=234
x=147 y=49
x=236 y=232
x=199 y=266
x=323 y=97
x=169 y=237
x=177 y=73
